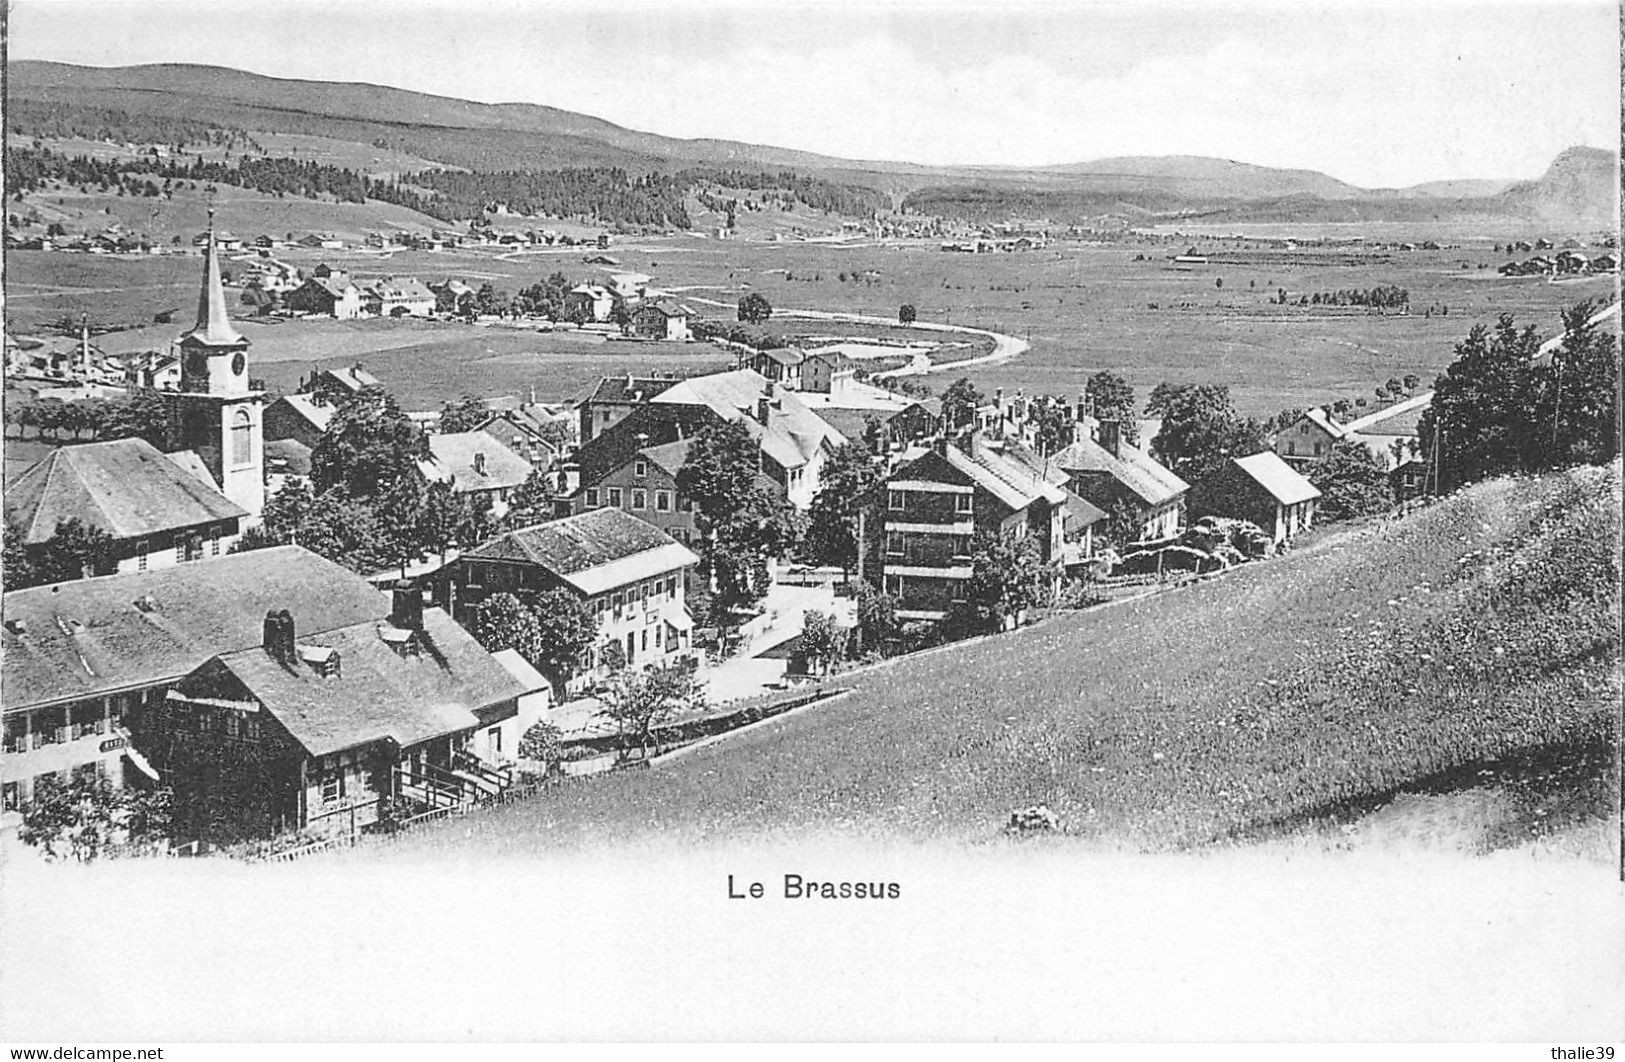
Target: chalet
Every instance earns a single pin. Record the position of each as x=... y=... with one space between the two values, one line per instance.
x=936 y=505
x=534 y=432
x=1261 y=488
x=452 y=296
x=591 y=302
x=301 y=418
x=626 y=571
x=1110 y=474
x=84 y=663
x=476 y=465
x=332 y=295
x=324 y=240
x=629 y=287
x=324 y=735
x=663 y=318
x=158 y=509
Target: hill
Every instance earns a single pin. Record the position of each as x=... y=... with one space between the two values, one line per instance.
x=1581 y=185
x=1378 y=658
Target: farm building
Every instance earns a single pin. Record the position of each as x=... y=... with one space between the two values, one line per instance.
x=320 y=736
x=662 y=318
x=84 y=662
x=333 y=295
x=592 y=302
x=1309 y=438
x=1261 y=488
x=398 y=297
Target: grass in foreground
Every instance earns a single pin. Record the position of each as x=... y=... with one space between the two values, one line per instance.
x=1481 y=628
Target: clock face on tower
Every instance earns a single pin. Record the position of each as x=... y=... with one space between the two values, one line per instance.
x=238 y=363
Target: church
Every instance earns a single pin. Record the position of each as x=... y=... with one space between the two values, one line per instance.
x=192 y=500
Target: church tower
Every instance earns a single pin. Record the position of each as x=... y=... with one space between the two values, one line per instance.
x=216 y=413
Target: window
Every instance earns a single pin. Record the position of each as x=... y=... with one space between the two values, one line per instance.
x=685 y=504
x=657 y=636
x=663 y=501
x=615 y=496
x=646 y=639
x=16 y=733
x=242 y=438
x=13 y=796
x=640 y=469
x=333 y=785
x=233 y=724
x=495 y=734
x=592 y=497
x=640 y=499
x=894 y=543
x=180 y=549
x=1317 y=449
x=84 y=772
x=141 y=555
x=1291 y=449
x=894 y=499
x=214 y=542
x=962 y=503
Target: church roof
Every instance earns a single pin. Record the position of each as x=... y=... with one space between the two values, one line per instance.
x=213 y=328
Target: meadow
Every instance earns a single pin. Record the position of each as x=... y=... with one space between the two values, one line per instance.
x=1083 y=307
x=1479 y=630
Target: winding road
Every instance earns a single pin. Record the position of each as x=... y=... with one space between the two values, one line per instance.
x=1004 y=347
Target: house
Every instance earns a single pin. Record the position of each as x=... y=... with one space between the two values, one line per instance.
x=645 y=485
x=399 y=297
x=1393 y=432
x=628 y=287
x=936 y=505
x=339 y=382
x=477 y=466
x=1261 y=488
x=1111 y=474
x=1309 y=438
x=301 y=418
x=615 y=397
x=158 y=509
x=533 y=431
x=323 y=240
x=663 y=318
x=323 y=733
x=332 y=295
x=627 y=572
x=223 y=240
x=827 y=371
x=782 y=365
x=85 y=662
x=591 y=302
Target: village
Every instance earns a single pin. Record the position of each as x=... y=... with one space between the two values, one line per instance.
x=312 y=617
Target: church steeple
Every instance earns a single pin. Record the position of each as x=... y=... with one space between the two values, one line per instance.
x=213 y=328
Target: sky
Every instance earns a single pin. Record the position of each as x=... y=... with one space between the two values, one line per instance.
x=1378 y=93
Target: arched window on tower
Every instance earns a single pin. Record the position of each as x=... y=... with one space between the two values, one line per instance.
x=242 y=438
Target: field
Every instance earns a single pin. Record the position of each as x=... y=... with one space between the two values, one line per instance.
x=1084 y=308
x=1483 y=629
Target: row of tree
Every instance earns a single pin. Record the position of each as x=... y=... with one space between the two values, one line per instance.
x=142 y=413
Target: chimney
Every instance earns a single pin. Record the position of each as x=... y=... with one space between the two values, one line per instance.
x=763 y=404
x=1083 y=408
x=279 y=636
x=479 y=462
x=406 y=610
x=1110 y=435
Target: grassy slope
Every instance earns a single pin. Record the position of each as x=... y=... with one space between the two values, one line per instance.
x=1373 y=658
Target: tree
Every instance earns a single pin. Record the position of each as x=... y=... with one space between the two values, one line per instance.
x=88 y=818
x=1482 y=413
x=754 y=308
x=960 y=400
x=1352 y=482
x=75 y=550
x=467 y=413
x=368 y=446
x=821 y=641
x=543 y=742
x=744 y=523
x=1122 y=527
x=849 y=486
x=1052 y=424
x=502 y=621
x=906 y=314
x=1581 y=382
x=1111 y=398
x=1006 y=579
x=1201 y=430
x=532 y=503
x=17 y=569
x=439 y=517
x=639 y=701
x=877 y=617
x=564 y=630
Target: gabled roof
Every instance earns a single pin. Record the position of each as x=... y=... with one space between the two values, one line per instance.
x=668 y=457
x=126 y=487
x=453 y=460
x=402 y=288
x=200 y=610
x=784 y=355
x=1322 y=420
x=793 y=433
x=592 y=551
x=1132 y=467
x=336 y=285
x=318 y=415
x=1006 y=479
x=1284 y=483
x=667 y=307
x=596 y=291
x=1080 y=513
x=353 y=378
x=377 y=692
x=630 y=388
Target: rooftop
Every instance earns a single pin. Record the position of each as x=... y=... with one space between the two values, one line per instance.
x=592 y=551
x=455 y=459
x=1135 y=469
x=126 y=487
x=98 y=636
x=1283 y=482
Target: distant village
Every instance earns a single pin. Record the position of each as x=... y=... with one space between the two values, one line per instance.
x=210 y=644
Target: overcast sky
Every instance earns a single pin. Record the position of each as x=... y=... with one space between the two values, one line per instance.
x=1375 y=93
